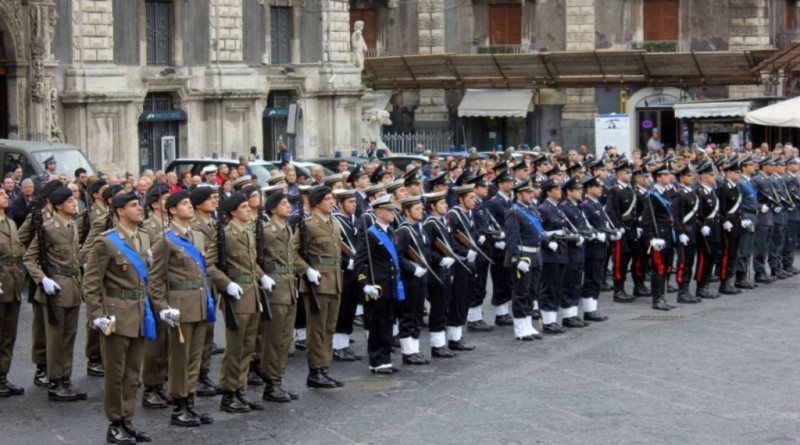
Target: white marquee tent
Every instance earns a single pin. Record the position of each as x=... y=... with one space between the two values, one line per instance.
x=781 y=114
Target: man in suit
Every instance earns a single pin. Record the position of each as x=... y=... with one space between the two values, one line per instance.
x=114 y=285
x=11 y=252
x=63 y=287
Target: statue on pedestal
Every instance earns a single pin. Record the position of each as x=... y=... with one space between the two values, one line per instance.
x=358 y=46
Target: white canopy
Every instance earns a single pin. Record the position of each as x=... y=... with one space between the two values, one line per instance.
x=689 y=110
x=781 y=114
x=495 y=103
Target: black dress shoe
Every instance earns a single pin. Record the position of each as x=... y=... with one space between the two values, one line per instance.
x=205 y=418
x=317 y=380
x=253 y=404
x=687 y=299
x=661 y=304
x=763 y=278
x=621 y=296
x=152 y=399
x=705 y=292
x=641 y=290
x=459 y=346
x=383 y=371
x=231 y=404
x=274 y=393
x=573 y=322
x=352 y=353
x=117 y=434
x=95 y=369
x=504 y=320
x=671 y=288
x=442 y=352
x=253 y=379
x=216 y=350
x=181 y=416
x=67 y=383
x=292 y=395
x=205 y=386
x=342 y=355
x=139 y=435
x=479 y=326
x=9 y=389
x=553 y=329
x=525 y=338
x=58 y=393
x=594 y=316
x=606 y=287
x=414 y=359
x=326 y=373
x=300 y=345
x=40 y=377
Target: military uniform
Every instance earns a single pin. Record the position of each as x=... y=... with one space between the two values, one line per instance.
x=793 y=220
x=596 y=252
x=202 y=227
x=410 y=237
x=113 y=287
x=99 y=223
x=65 y=269
x=498 y=207
x=750 y=211
x=708 y=217
x=685 y=205
x=523 y=244
x=571 y=291
x=781 y=223
x=464 y=275
x=439 y=293
x=554 y=223
x=351 y=294
x=621 y=208
x=730 y=209
x=657 y=223
x=11 y=252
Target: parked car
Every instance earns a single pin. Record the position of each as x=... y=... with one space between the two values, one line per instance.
x=401 y=161
x=332 y=163
x=195 y=165
x=32 y=154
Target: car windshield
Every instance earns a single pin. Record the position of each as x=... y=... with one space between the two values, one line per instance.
x=260 y=170
x=67 y=161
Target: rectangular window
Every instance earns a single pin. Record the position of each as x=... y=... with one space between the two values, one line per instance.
x=369 y=33
x=660 y=20
x=281 y=35
x=159 y=32
x=790 y=19
x=505 y=24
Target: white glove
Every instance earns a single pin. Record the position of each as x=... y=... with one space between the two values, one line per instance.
x=778 y=209
x=728 y=226
x=50 y=287
x=481 y=239
x=447 y=262
x=419 y=272
x=502 y=235
x=523 y=267
x=471 y=255
x=621 y=231
x=553 y=245
x=580 y=241
x=746 y=223
x=371 y=291
x=558 y=232
x=684 y=239
x=500 y=245
x=705 y=230
x=267 y=283
x=102 y=323
x=601 y=237
x=234 y=290
x=313 y=275
x=764 y=208
x=170 y=316
x=639 y=232
x=657 y=243
x=351 y=265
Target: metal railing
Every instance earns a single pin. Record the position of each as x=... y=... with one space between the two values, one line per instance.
x=501 y=49
x=376 y=52
x=406 y=142
x=657 y=46
x=784 y=39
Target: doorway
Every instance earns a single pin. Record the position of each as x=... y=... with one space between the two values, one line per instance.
x=656 y=120
x=159 y=131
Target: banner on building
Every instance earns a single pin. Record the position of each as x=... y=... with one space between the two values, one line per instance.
x=614 y=130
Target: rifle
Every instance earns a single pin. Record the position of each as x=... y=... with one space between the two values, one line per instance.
x=445 y=250
x=263 y=295
x=420 y=260
x=44 y=264
x=312 y=288
x=231 y=322
x=347 y=252
x=467 y=242
x=87 y=221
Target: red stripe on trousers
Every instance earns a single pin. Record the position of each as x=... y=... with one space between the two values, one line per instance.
x=658 y=263
x=700 y=262
x=725 y=252
x=618 y=261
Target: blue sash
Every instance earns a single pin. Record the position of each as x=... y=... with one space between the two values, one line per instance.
x=384 y=238
x=149 y=322
x=750 y=189
x=668 y=207
x=533 y=219
x=195 y=255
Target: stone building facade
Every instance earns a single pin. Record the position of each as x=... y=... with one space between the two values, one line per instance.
x=125 y=78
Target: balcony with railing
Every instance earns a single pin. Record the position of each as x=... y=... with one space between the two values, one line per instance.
x=501 y=49
x=656 y=46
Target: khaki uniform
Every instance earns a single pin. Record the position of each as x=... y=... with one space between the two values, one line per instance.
x=324 y=241
x=156 y=352
x=240 y=246
x=112 y=286
x=38 y=338
x=65 y=269
x=186 y=292
x=279 y=256
x=11 y=252
x=98 y=220
x=206 y=230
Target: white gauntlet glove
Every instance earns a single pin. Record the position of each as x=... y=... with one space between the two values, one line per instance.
x=102 y=323
x=502 y=235
x=267 y=283
x=684 y=239
x=170 y=316
x=601 y=237
x=705 y=230
x=234 y=290
x=523 y=267
x=552 y=245
x=313 y=275
x=764 y=208
x=50 y=287
x=481 y=239
x=371 y=291
x=500 y=245
x=447 y=262
x=746 y=223
x=639 y=233
x=351 y=265
x=419 y=272
x=728 y=226
x=580 y=241
x=471 y=255
x=778 y=209
x=658 y=243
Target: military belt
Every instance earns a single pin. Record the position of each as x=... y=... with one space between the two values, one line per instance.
x=280 y=270
x=64 y=271
x=527 y=249
x=10 y=262
x=187 y=285
x=243 y=279
x=324 y=261
x=125 y=294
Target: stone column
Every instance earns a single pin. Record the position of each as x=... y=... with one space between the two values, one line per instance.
x=749 y=30
x=43 y=124
x=577 y=116
x=226 y=31
x=431 y=113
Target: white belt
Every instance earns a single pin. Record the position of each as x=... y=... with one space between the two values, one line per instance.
x=528 y=249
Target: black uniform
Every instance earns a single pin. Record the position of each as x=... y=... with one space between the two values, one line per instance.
x=571 y=291
x=438 y=293
x=497 y=208
x=730 y=210
x=411 y=236
x=595 y=249
x=621 y=208
x=464 y=275
x=555 y=262
x=482 y=227
x=793 y=222
x=351 y=291
x=657 y=222
x=523 y=241
x=685 y=206
x=708 y=216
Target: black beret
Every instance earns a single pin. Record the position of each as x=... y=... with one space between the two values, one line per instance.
x=273 y=201
x=155 y=193
x=247 y=191
x=549 y=185
x=50 y=187
x=232 y=202
x=97 y=185
x=201 y=195
x=121 y=199
x=60 y=195
x=318 y=194
x=175 y=199
x=111 y=191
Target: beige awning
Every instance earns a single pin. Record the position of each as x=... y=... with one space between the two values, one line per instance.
x=781 y=114
x=495 y=103
x=694 y=110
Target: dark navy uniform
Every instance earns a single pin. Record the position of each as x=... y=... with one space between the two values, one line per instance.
x=781 y=219
x=351 y=291
x=595 y=254
x=730 y=210
x=685 y=205
x=571 y=291
x=408 y=237
x=483 y=226
x=497 y=208
x=766 y=222
x=464 y=274
x=708 y=216
x=750 y=211
x=554 y=262
x=621 y=208
x=657 y=223
x=523 y=243
x=438 y=293
x=793 y=220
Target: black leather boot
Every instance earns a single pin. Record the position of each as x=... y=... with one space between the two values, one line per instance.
x=327 y=374
x=274 y=393
x=291 y=393
x=660 y=304
x=9 y=389
x=40 y=378
x=728 y=288
x=205 y=418
x=641 y=290
x=317 y=380
x=67 y=383
x=182 y=416
x=57 y=393
x=139 y=435
x=254 y=375
x=206 y=386
x=253 y=404
x=117 y=434
x=230 y=403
